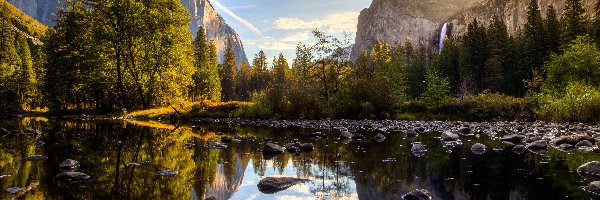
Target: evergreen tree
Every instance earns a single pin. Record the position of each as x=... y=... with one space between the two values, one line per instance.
x=25 y=77
x=534 y=37
x=552 y=34
x=243 y=82
x=258 y=73
x=573 y=20
x=228 y=73
x=447 y=63
x=8 y=55
x=596 y=24
x=207 y=84
x=416 y=71
x=473 y=56
x=497 y=46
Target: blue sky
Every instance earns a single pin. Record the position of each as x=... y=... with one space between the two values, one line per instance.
x=276 y=26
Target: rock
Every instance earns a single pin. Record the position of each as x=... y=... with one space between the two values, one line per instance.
x=565 y=146
x=36 y=158
x=290 y=145
x=478 y=148
x=316 y=135
x=72 y=176
x=515 y=138
x=307 y=147
x=358 y=136
x=539 y=144
x=418 y=149
x=519 y=149
x=593 y=189
x=590 y=171
x=450 y=136
x=14 y=190
x=218 y=146
x=168 y=172
x=563 y=140
x=417 y=194
x=39 y=143
x=271 y=185
x=292 y=149
x=211 y=198
x=68 y=165
x=132 y=164
x=379 y=137
x=584 y=143
x=346 y=135
x=464 y=130
x=270 y=148
x=226 y=140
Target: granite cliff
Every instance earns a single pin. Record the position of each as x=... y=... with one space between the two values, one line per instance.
x=202 y=13
x=393 y=21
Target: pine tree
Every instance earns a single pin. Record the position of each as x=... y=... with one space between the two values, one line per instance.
x=497 y=45
x=25 y=76
x=552 y=35
x=534 y=37
x=447 y=63
x=243 y=82
x=596 y=24
x=472 y=59
x=573 y=20
x=8 y=54
x=416 y=72
x=258 y=73
x=228 y=73
x=207 y=84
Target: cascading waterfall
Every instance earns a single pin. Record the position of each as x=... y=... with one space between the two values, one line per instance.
x=442 y=36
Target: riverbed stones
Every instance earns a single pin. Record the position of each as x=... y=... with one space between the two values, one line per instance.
x=72 y=176
x=418 y=149
x=449 y=136
x=464 y=130
x=270 y=148
x=307 y=147
x=417 y=194
x=36 y=158
x=519 y=149
x=590 y=171
x=593 y=189
x=358 y=136
x=226 y=140
x=584 y=143
x=346 y=135
x=563 y=140
x=379 y=137
x=271 y=185
x=68 y=165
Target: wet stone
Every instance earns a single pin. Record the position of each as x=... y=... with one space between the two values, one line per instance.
x=590 y=171
x=14 y=190
x=346 y=135
x=72 y=176
x=449 y=136
x=379 y=137
x=514 y=138
x=168 y=172
x=519 y=149
x=418 y=149
x=271 y=185
x=68 y=165
x=417 y=194
x=307 y=147
x=584 y=143
x=537 y=145
x=478 y=148
x=270 y=148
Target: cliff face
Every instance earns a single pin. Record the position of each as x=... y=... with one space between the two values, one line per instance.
x=393 y=20
x=201 y=13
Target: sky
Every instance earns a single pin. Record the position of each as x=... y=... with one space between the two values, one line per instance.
x=277 y=26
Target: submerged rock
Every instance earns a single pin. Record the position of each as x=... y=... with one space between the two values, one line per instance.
x=307 y=147
x=14 y=190
x=36 y=158
x=418 y=149
x=358 y=136
x=417 y=194
x=590 y=171
x=68 y=165
x=270 y=148
x=346 y=135
x=379 y=137
x=519 y=149
x=168 y=172
x=563 y=140
x=450 y=136
x=514 y=138
x=271 y=185
x=478 y=148
x=292 y=149
x=593 y=189
x=584 y=143
x=72 y=176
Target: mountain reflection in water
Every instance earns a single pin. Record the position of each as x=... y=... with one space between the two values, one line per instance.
x=359 y=170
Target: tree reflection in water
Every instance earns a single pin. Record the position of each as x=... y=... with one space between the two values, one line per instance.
x=360 y=169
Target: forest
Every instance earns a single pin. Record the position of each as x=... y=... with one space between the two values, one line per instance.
x=114 y=56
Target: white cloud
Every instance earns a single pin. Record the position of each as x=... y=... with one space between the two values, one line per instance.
x=277 y=46
x=337 y=22
x=236 y=17
x=296 y=37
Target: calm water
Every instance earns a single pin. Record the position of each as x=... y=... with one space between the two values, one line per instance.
x=358 y=170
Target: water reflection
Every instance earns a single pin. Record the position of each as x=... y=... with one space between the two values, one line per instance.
x=123 y=157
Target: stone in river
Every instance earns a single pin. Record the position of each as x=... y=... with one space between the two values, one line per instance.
x=271 y=185
x=417 y=194
x=307 y=147
x=14 y=190
x=270 y=148
x=449 y=136
x=590 y=171
x=379 y=137
x=478 y=148
x=36 y=158
x=418 y=149
x=168 y=172
x=72 y=176
x=68 y=165
x=537 y=145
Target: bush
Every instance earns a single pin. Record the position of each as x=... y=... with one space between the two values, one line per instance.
x=484 y=107
x=579 y=102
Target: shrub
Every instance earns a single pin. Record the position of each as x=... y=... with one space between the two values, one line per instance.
x=579 y=102
x=483 y=107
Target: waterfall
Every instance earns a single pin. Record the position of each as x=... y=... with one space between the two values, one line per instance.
x=442 y=36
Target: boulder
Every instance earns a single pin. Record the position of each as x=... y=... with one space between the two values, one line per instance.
x=539 y=144
x=519 y=149
x=514 y=138
x=358 y=136
x=292 y=149
x=72 y=176
x=379 y=137
x=593 y=189
x=464 y=130
x=449 y=136
x=478 y=148
x=346 y=135
x=584 y=143
x=226 y=140
x=590 y=171
x=271 y=185
x=417 y=194
x=68 y=165
x=270 y=148
x=563 y=140
x=418 y=149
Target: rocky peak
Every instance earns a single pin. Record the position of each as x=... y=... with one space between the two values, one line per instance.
x=393 y=21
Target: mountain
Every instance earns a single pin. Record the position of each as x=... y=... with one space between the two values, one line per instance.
x=393 y=20
x=202 y=13
x=24 y=24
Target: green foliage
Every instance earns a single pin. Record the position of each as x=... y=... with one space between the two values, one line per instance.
x=578 y=103
x=579 y=63
x=22 y=21
x=483 y=107
x=573 y=20
x=206 y=81
x=228 y=74
x=437 y=90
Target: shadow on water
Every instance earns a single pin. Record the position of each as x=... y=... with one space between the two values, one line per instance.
x=123 y=158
